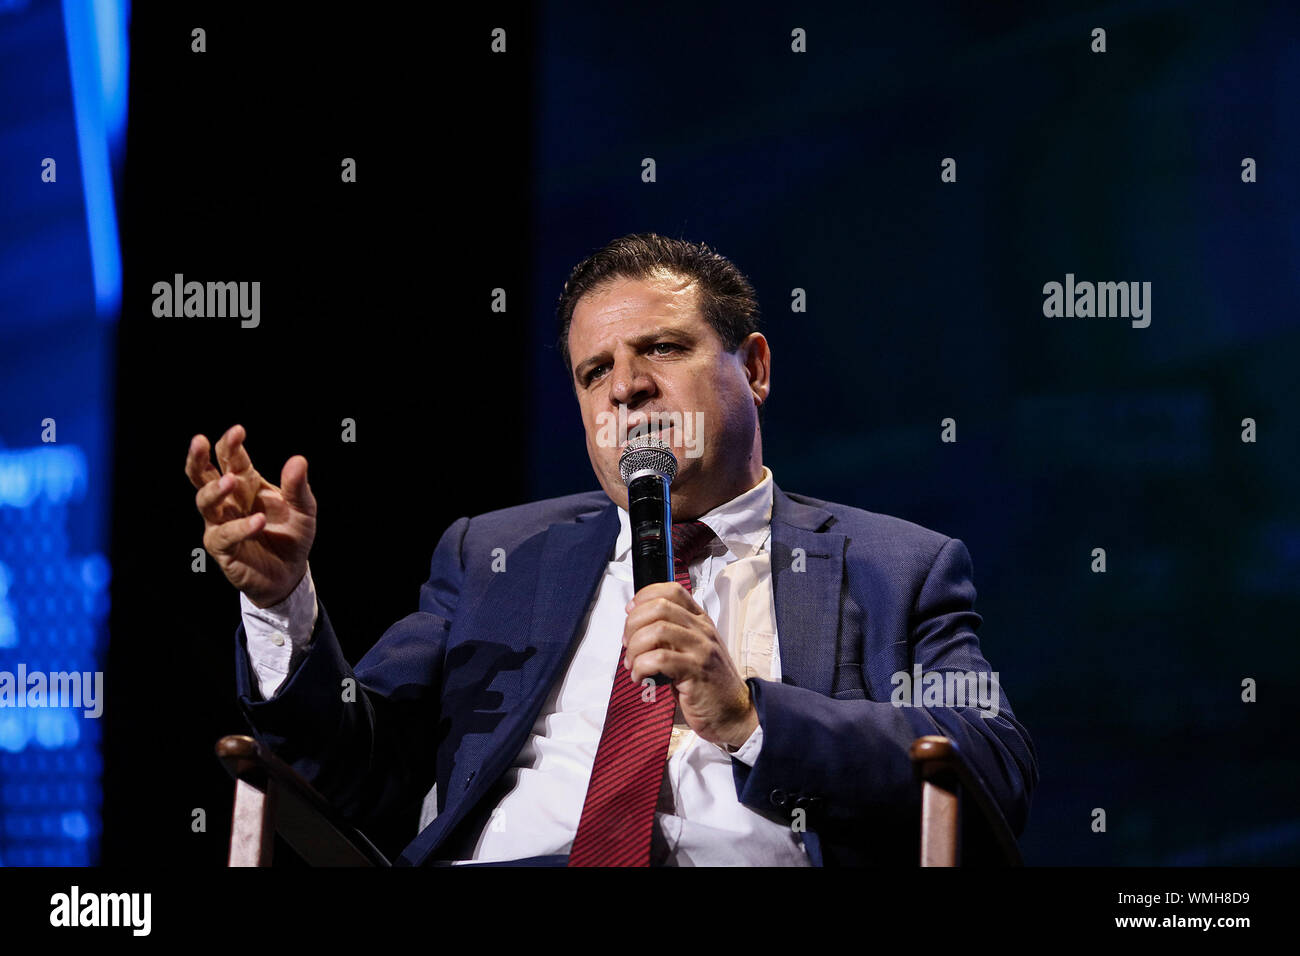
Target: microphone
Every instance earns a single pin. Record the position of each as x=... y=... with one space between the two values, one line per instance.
x=648 y=467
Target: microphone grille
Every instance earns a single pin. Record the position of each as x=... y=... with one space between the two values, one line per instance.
x=647 y=452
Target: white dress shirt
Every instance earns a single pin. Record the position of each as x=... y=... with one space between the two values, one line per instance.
x=699 y=821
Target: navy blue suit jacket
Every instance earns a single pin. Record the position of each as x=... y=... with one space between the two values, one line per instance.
x=450 y=692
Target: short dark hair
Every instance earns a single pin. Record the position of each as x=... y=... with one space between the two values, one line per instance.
x=726 y=297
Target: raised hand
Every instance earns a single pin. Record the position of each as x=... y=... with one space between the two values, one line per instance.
x=259 y=534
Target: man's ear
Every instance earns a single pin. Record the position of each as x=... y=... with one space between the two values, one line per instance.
x=756 y=357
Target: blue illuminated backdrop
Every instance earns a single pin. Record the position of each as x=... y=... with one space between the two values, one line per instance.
x=63 y=71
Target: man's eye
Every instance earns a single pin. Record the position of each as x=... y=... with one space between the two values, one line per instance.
x=665 y=345
x=595 y=373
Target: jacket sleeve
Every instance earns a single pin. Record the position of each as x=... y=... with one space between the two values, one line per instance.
x=364 y=737
x=847 y=761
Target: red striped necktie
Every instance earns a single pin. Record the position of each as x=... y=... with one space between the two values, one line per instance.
x=618 y=813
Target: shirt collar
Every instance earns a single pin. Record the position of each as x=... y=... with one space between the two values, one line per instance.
x=743 y=524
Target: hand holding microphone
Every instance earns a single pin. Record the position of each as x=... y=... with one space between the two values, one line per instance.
x=668 y=637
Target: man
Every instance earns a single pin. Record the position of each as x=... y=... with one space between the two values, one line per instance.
x=783 y=638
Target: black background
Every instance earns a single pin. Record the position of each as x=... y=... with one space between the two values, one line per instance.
x=373 y=308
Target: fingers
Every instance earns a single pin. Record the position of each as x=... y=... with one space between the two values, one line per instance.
x=198 y=462
x=670 y=591
x=660 y=609
x=230 y=451
x=294 y=487
x=657 y=618
x=661 y=634
x=665 y=628
x=224 y=538
x=672 y=664
x=210 y=496
x=214 y=487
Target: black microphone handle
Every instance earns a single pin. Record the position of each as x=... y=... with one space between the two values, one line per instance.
x=650 y=517
x=650 y=514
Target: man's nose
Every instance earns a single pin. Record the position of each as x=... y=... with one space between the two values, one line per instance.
x=632 y=385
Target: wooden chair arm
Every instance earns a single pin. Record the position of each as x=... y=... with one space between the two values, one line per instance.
x=270 y=797
x=946 y=778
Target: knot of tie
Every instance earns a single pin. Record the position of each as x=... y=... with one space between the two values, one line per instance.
x=690 y=540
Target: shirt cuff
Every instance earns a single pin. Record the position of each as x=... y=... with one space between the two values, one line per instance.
x=278 y=636
x=746 y=753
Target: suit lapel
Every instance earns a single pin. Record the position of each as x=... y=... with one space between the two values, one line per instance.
x=807 y=580
x=572 y=559
x=571 y=564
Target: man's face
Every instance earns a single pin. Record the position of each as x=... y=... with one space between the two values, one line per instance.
x=643 y=345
